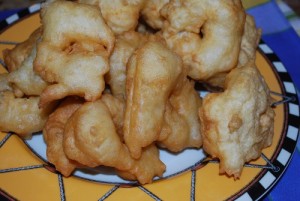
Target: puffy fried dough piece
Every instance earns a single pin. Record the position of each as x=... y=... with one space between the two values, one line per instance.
x=70 y=146
x=250 y=40
x=116 y=107
x=21 y=115
x=215 y=25
x=13 y=58
x=4 y=84
x=96 y=137
x=152 y=74
x=24 y=80
x=120 y=15
x=146 y=167
x=125 y=45
x=54 y=133
x=238 y=123
x=181 y=127
x=151 y=13
x=74 y=60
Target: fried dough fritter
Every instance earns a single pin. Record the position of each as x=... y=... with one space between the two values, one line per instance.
x=181 y=128
x=125 y=45
x=72 y=59
x=214 y=26
x=146 y=167
x=96 y=137
x=116 y=107
x=13 y=58
x=54 y=134
x=120 y=15
x=249 y=43
x=250 y=40
x=151 y=13
x=22 y=115
x=238 y=123
x=152 y=74
x=24 y=80
x=4 y=84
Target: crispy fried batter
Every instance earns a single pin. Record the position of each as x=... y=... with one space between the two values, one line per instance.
x=125 y=45
x=151 y=13
x=250 y=40
x=54 y=133
x=181 y=128
x=4 y=84
x=116 y=107
x=214 y=32
x=13 y=58
x=120 y=15
x=21 y=115
x=152 y=74
x=74 y=60
x=70 y=146
x=238 y=123
x=96 y=137
x=146 y=167
x=24 y=80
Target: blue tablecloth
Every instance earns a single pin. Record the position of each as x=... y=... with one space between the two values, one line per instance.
x=284 y=41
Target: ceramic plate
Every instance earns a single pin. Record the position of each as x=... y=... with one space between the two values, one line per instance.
x=26 y=175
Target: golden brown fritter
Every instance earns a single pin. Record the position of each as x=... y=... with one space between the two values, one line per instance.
x=72 y=59
x=238 y=123
x=208 y=33
x=22 y=115
x=152 y=74
x=54 y=134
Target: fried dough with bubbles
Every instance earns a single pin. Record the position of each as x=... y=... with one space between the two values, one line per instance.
x=120 y=15
x=53 y=133
x=22 y=115
x=152 y=74
x=249 y=43
x=125 y=46
x=13 y=58
x=96 y=137
x=215 y=25
x=250 y=40
x=4 y=84
x=151 y=13
x=181 y=128
x=146 y=167
x=74 y=60
x=116 y=107
x=70 y=146
x=24 y=80
x=238 y=123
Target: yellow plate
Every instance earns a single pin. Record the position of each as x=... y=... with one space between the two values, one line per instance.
x=26 y=175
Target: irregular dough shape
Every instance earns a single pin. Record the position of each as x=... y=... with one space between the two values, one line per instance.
x=22 y=115
x=238 y=123
x=152 y=74
x=74 y=60
x=53 y=133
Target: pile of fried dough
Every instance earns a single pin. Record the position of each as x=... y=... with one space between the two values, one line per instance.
x=111 y=82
